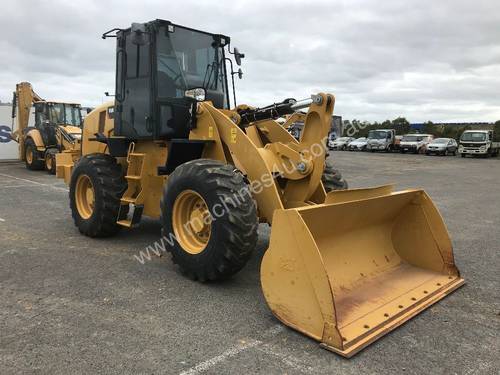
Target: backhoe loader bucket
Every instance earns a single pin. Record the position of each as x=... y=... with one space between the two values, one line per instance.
x=352 y=269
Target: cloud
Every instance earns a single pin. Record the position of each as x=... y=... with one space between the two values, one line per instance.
x=424 y=60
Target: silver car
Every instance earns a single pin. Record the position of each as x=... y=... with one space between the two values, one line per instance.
x=442 y=146
x=340 y=143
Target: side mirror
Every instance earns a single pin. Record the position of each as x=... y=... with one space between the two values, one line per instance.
x=240 y=73
x=198 y=94
x=138 y=34
x=238 y=56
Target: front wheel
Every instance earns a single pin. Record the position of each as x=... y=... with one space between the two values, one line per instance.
x=50 y=161
x=332 y=178
x=96 y=187
x=209 y=219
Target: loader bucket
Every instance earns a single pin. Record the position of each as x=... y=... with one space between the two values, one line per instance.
x=352 y=269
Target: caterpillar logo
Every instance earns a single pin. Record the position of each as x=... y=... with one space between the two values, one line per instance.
x=5 y=134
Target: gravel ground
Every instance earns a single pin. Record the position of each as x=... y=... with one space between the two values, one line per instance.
x=71 y=304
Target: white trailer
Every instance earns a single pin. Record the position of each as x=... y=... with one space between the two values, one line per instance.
x=8 y=148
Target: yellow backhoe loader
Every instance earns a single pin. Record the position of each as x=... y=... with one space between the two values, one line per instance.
x=57 y=128
x=343 y=267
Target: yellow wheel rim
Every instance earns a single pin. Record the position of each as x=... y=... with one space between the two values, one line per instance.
x=85 y=197
x=191 y=221
x=48 y=162
x=29 y=155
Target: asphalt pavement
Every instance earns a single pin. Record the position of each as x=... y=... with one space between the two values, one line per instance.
x=74 y=305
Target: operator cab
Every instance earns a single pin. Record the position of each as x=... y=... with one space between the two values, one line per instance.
x=48 y=115
x=162 y=70
x=54 y=113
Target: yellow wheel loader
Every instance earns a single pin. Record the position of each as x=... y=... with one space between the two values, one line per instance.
x=57 y=128
x=343 y=267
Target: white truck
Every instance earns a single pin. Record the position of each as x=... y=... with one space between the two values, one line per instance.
x=381 y=140
x=478 y=142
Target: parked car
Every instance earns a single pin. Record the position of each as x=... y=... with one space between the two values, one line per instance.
x=416 y=143
x=397 y=142
x=340 y=143
x=442 y=146
x=381 y=140
x=358 y=144
x=478 y=142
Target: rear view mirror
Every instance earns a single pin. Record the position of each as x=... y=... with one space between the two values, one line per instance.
x=238 y=56
x=240 y=73
x=138 y=34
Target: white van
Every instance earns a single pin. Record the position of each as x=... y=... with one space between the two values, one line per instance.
x=416 y=143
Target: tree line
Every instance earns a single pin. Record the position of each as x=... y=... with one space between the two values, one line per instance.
x=356 y=128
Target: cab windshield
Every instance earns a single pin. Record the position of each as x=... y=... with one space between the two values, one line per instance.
x=473 y=137
x=377 y=134
x=188 y=59
x=65 y=114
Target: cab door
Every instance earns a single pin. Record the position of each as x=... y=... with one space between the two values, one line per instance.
x=133 y=89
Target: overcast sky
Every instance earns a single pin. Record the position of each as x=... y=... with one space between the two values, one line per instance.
x=425 y=60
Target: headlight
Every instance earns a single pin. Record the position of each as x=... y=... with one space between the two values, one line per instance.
x=198 y=94
x=483 y=147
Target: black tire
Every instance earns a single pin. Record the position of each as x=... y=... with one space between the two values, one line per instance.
x=403 y=151
x=463 y=155
x=233 y=234
x=109 y=185
x=37 y=163
x=50 y=160
x=332 y=178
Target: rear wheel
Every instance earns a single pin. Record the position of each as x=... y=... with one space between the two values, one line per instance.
x=209 y=219
x=332 y=178
x=31 y=155
x=96 y=187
